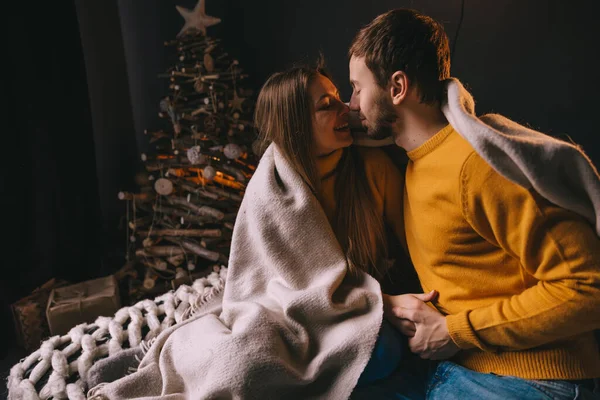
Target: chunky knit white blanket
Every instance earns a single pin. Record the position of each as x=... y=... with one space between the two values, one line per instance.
x=60 y=368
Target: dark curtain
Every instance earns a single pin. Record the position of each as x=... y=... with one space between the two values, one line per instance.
x=49 y=179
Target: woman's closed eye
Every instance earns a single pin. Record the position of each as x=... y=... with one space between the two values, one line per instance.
x=325 y=104
x=328 y=100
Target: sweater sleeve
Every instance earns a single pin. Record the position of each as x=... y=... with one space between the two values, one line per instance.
x=559 y=255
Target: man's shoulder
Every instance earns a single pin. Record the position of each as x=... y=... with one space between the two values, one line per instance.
x=452 y=156
x=459 y=147
x=478 y=177
x=475 y=167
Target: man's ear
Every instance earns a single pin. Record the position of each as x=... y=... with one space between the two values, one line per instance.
x=398 y=87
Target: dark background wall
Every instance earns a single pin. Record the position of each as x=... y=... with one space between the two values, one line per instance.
x=529 y=60
x=82 y=87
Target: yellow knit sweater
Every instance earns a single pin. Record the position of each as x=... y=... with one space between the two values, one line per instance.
x=385 y=180
x=519 y=278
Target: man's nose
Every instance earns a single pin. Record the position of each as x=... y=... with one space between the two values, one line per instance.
x=354 y=105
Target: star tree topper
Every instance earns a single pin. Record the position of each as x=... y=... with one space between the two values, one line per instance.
x=237 y=101
x=196 y=19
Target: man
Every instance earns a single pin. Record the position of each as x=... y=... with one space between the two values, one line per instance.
x=514 y=279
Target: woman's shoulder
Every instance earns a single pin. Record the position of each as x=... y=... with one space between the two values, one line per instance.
x=372 y=155
x=390 y=158
x=382 y=168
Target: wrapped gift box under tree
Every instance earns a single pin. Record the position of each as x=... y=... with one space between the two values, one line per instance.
x=82 y=302
x=29 y=315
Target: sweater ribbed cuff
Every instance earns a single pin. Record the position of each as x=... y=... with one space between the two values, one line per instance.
x=462 y=333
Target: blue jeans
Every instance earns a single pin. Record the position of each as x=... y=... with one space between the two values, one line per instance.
x=391 y=347
x=447 y=380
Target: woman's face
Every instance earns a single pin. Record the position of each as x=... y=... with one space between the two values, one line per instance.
x=330 y=118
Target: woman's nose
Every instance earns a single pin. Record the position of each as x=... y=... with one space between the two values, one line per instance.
x=344 y=109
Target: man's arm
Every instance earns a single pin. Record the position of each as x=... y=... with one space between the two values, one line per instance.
x=553 y=245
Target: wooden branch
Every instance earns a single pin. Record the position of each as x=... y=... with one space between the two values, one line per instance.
x=239 y=175
x=199 y=45
x=220 y=178
x=199 y=210
x=157 y=135
x=224 y=193
x=207 y=242
x=191 y=185
x=159 y=251
x=183 y=74
x=180 y=273
x=143 y=196
x=162 y=164
x=177 y=172
x=202 y=201
x=167 y=223
x=196 y=249
x=197 y=189
x=135 y=224
x=158 y=264
x=176 y=260
x=166 y=158
x=150 y=279
x=183 y=143
x=199 y=219
x=213 y=233
x=247 y=168
x=152 y=275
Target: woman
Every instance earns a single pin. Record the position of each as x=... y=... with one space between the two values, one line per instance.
x=300 y=111
x=298 y=318
x=360 y=189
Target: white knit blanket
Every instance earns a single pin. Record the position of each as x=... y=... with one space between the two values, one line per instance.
x=559 y=171
x=291 y=326
x=62 y=366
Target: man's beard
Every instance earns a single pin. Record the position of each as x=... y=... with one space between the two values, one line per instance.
x=385 y=116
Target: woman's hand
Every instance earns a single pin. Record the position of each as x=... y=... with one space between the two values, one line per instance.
x=425 y=327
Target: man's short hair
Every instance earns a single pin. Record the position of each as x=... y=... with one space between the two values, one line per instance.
x=405 y=40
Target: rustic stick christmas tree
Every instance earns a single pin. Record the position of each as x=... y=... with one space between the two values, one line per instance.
x=181 y=221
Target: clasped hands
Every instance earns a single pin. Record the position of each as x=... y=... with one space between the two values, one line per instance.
x=424 y=326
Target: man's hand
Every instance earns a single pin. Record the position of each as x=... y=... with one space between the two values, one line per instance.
x=411 y=301
x=425 y=327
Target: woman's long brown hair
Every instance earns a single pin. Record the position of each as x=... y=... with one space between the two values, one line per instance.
x=283 y=115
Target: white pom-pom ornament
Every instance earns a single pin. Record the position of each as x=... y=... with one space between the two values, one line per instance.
x=209 y=173
x=194 y=155
x=232 y=151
